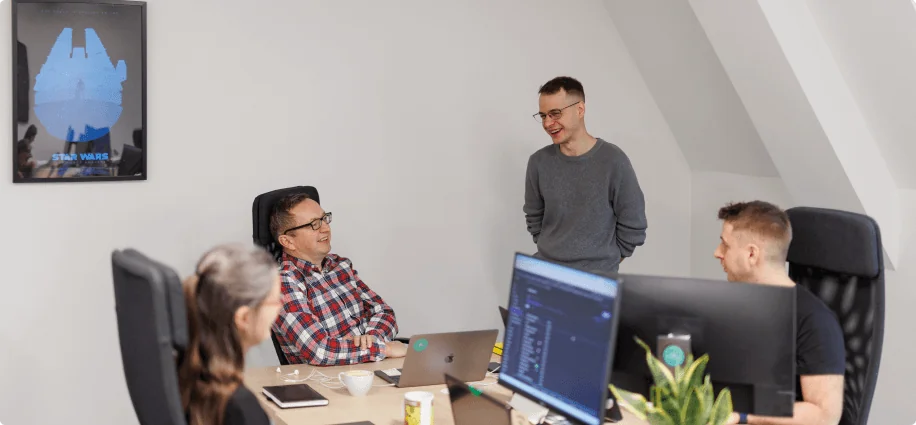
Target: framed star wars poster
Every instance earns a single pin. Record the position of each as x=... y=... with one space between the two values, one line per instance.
x=79 y=90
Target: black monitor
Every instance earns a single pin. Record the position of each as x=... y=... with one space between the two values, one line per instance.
x=748 y=330
x=559 y=339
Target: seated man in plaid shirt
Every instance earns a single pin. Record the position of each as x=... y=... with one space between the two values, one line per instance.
x=329 y=317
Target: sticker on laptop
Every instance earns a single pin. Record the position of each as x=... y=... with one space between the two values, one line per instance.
x=420 y=345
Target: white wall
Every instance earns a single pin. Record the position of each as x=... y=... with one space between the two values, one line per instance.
x=711 y=191
x=892 y=403
x=413 y=121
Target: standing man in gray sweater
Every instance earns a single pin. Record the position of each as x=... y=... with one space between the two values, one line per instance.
x=583 y=203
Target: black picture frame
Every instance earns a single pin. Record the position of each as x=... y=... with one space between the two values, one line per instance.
x=20 y=99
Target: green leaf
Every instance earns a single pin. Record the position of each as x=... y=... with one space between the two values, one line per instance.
x=659 y=417
x=681 y=371
x=660 y=373
x=705 y=393
x=691 y=411
x=709 y=395
x=693 y=377
x=722 y=408
x=632 y=402
x=664 y=400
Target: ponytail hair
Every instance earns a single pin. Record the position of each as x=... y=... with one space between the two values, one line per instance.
x=227 y=278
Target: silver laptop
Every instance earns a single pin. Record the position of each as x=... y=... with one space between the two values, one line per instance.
x=463 y=355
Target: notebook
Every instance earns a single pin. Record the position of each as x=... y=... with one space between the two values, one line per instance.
x=296 y=395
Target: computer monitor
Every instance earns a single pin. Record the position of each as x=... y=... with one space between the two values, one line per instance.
x=559 y=339
x=748 y=330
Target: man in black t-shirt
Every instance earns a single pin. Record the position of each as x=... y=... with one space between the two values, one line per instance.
x=753 y=247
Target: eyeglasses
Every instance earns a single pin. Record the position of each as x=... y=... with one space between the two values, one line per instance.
x=554 y=114
x=314 y=224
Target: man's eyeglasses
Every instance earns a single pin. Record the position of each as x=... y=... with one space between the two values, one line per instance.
x=554 y=114
x=314 y=224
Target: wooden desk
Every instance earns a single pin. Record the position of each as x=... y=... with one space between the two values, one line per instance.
x=382 y=406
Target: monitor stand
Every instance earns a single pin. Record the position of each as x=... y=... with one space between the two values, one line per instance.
x=612 y=413
x=556 y=419
x=533 y=411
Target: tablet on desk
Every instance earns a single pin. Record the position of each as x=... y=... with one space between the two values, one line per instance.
x=297 y=395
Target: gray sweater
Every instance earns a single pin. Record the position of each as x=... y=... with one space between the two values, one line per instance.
x=587 y=211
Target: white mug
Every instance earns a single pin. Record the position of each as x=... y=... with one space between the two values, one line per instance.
x=418 y=408
x=358 y=382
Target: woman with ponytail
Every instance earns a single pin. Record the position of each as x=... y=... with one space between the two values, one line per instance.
x=232 y=300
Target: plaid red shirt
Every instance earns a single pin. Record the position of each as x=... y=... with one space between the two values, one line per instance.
x=321 y=306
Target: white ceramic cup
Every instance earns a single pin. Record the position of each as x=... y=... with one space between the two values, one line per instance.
x=418 y=408
x=358 y=382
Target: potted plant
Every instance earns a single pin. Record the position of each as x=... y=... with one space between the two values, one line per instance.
x=685 y=397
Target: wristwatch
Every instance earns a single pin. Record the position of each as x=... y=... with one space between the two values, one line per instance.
x=742 y=418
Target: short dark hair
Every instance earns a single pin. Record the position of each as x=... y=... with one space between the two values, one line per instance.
x=280 y=217
x=763 y=219
x=570 y=85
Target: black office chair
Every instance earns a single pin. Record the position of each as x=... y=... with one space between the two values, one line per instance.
x=261 y=209
x=152 y=328
x=838 y=256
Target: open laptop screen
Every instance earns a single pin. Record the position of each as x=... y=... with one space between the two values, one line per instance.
x=559 y=337
x=472 y=407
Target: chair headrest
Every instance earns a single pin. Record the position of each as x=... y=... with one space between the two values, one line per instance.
x=834 y=240
x=133 y=269
x=152 y=333
x=262 y=207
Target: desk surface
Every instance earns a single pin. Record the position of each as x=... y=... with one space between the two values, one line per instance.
x=382 y=406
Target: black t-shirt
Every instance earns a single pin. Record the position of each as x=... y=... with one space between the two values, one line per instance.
x=819 y=345
x=243 y=408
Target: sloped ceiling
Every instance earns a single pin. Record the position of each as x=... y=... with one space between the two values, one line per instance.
x=814 y=92
x=690 y=87
x=874 y=45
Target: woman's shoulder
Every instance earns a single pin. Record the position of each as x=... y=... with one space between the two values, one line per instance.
x=243 y=408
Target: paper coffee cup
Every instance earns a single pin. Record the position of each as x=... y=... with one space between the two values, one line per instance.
x=418 y=408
